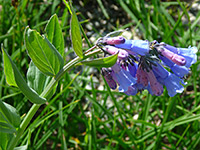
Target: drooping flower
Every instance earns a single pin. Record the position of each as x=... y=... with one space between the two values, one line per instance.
x=123 y=71
x=123 y=78
x=188 y=53
x=141 y=65
x=173 y=84
x=139 y=47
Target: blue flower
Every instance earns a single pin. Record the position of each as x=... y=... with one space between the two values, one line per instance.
x=123 y=78
x=142 y=65
x=139 y=47
x=132 y=69
x=134 y=89
x=159 y=70
x=173 y=84
x=180 y=71
x=188 y=53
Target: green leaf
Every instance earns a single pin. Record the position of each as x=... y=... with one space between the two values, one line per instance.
x=4 y=138
x=75 y=33
x=10 y=113
x=8 y=71
x=37 y=80
x=101 y=62
x=21 y=83
x=54 y=34
x=5 y=126
x=44 y=55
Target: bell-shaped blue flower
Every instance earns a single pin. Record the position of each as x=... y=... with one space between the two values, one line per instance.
x=180 y=71
x=188 y=53
x=173 y=84
x=139 y=47
x=123 y=78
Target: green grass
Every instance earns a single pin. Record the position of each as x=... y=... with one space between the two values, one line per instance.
x=79 y=117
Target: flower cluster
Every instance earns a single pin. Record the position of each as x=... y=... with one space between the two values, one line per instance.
x=146 y=65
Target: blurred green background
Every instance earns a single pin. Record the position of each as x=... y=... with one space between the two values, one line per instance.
x=86 y=115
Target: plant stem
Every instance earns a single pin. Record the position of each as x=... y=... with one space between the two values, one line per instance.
x=23 y=126
x=44 y=94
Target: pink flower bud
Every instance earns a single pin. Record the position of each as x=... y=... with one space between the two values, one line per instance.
x=122 y=54
x=114 y=40
x=177 y=59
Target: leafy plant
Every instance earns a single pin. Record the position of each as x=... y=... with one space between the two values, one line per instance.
x=53 y=100
x=45 y=70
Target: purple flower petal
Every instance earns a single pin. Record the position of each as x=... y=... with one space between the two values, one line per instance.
x=132 y=90
x=123 y=78
x=109 y=79
x=160 y=71
x=177 y=59
x=132 y=69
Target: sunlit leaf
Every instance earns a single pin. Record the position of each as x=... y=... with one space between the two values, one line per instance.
x=76 y=34
x=24 y=147
x=54 y=34
x=21 y=83
x=8 y=71
x=44 y=55
x=37 y=80
x=102 y=62
x=10 y=113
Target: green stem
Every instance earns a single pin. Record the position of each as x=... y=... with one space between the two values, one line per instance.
x=44 y=94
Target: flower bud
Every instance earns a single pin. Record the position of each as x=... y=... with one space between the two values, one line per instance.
x=114 y=40
x=177 y=59
x=122 y=54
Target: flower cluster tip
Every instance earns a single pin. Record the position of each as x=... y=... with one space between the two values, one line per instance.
x=146 y=65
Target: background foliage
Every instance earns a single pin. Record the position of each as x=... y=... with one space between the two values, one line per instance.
x=84 y=113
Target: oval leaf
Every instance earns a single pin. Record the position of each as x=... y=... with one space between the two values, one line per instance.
x=54 y=34
x=102 y=62
x=21 y=83
x=10 y=113
x=37 y=80
x=8 y=71
x=44 y=55
x=5 y=126
x=75 y=33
